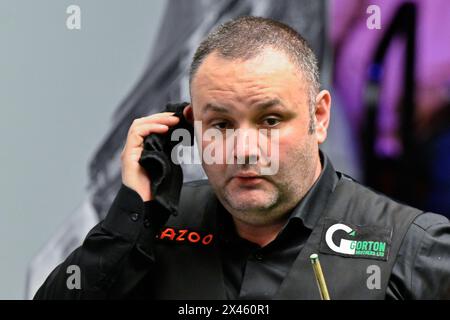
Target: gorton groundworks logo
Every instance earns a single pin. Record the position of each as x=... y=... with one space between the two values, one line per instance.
x=355 y=241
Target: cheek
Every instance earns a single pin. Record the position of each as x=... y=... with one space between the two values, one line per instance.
x=214 y=152
x=213 y=158
x=216 y=174
x=292 y=142
x=283 y=152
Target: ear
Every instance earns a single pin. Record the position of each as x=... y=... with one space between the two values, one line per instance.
x=188 y=113
x=322 y=115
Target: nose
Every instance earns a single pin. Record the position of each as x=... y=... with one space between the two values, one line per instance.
x=246 y=149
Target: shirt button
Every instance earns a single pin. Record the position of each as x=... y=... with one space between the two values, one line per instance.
x=134 y=216
x=258 y=256
x=146 y=223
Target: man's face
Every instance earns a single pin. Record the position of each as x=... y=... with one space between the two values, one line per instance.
x=265 y=92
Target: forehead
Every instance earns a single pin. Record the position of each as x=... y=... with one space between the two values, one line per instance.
x=271 y=71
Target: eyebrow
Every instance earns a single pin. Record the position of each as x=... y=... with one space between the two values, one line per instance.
x=215 y=108
x=261 y=106
x=269 y=104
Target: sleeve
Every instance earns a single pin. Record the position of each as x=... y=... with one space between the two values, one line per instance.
x=422 y=269
x=115 y=256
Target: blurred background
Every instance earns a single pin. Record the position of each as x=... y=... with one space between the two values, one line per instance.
x=69 y=94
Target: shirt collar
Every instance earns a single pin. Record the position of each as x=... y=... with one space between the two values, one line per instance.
x=311 y=206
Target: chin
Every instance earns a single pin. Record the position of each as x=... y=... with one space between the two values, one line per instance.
x=251 y=200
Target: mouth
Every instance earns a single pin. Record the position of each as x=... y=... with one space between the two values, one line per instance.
x=247 y=174
x=248 y=178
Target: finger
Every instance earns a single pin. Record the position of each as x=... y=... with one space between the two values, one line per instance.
x=137 y=134
x=165 y=117
x=130 y=153
x=135 y=153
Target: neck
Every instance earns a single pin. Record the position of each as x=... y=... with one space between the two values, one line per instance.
x=264 y=234
x=261 y=235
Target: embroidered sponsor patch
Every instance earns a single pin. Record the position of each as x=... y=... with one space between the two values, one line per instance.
x=345 y=239
x=185 y=236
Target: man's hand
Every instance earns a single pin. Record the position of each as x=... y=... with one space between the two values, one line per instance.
x=133 y=175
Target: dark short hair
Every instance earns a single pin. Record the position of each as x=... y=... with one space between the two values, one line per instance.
x=246 y=37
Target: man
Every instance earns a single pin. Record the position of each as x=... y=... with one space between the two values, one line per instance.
x=245 y=235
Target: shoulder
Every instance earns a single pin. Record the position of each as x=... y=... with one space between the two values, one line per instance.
x=196 y=199
x=357 y=198
x=423 y=263
x=194 y=190
x=428 y=220
x=363 y=192
x=426 y=229
x=196 y=183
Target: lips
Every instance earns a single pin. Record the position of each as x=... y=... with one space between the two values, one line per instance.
x=248 y=179
x=247 y=174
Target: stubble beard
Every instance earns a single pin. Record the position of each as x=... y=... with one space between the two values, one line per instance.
x=286 y=189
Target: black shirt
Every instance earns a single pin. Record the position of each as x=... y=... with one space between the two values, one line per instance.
x=117 y=253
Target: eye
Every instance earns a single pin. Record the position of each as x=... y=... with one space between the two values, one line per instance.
x=222 y=125
x=271 y=121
